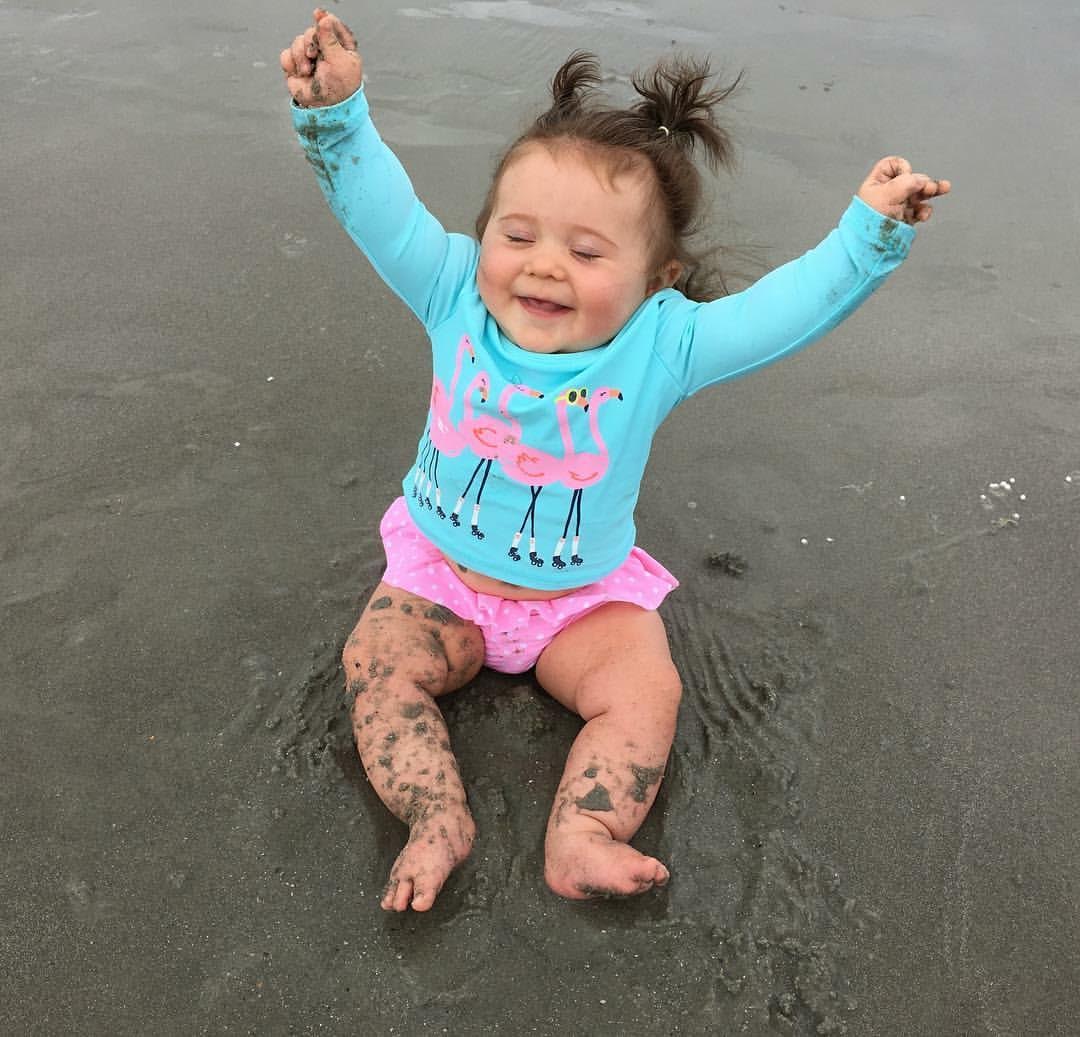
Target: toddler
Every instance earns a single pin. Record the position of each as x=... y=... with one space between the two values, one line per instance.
x=561 y=339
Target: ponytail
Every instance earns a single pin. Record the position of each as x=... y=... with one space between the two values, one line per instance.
x=678 y=98
x=573 y=84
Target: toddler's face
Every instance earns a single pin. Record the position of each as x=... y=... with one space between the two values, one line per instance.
x=565 y=259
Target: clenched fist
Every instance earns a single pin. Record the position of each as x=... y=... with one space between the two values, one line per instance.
x=322 y=67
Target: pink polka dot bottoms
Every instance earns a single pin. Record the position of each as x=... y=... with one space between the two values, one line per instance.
x=515 y=632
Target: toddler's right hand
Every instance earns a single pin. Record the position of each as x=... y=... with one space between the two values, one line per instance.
x=322 y=66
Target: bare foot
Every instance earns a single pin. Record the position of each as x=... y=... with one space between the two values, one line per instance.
x=583 y=864
x=437 y=844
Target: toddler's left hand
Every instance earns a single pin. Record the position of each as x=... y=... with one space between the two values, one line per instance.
x=894 y=190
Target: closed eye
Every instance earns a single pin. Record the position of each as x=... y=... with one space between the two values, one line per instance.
x=586 y=256
x=518 y=240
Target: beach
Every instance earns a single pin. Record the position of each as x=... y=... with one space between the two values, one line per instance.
x=208 y=399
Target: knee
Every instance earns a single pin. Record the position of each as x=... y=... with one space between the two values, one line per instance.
x=377 y=666
x=667 y=694
x=650 y=694
x=657 y=705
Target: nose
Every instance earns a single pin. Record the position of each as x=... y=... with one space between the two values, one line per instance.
x=544 y=261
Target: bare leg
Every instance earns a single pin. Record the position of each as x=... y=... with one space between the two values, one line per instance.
x=612 y=667
x=404 y=652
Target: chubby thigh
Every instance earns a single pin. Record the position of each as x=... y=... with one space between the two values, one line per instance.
x=418 y=639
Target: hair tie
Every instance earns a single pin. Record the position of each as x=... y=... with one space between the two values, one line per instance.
x=667 y=132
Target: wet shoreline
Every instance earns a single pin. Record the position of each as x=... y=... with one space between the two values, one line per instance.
x=206 y=404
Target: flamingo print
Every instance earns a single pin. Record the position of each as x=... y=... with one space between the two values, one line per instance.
x=536 y=469
x=442 y=437
x=484 y=436
x=584 y=470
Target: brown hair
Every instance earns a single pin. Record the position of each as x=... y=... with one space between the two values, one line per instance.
x=673 y=120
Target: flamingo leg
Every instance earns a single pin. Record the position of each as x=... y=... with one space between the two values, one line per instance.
x=476 y=531
x=575 y=559
x=438 y=489
x=530 y=517
x=556 y=558
x=421 y=466
x=465 y=493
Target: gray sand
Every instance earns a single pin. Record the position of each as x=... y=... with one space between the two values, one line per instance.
x=207 y=400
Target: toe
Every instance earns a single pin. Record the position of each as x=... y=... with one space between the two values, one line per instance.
x=425 y=890
x=654 y=872
x=422 y=899
x=387 y=902
x=398 y=894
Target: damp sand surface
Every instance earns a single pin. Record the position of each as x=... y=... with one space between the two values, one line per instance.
x=207 y=401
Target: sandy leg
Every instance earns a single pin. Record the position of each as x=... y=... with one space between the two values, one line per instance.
x=613 y=667
x=607 y=788
x=403 y=653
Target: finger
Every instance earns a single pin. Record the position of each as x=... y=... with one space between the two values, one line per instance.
x=300 y=89
x=889 y=168
x=917 y=211
x=288 y=66
x=302 y=61
x=327 y=36
x=334 y=32
x=344 y=34
x=296 y=50
x=905 y=188
x=934 y=188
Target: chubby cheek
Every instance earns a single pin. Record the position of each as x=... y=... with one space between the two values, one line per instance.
x=490 y=278
x=610 y=308
x=495 y=262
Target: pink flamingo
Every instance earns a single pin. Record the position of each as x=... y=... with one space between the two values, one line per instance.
x=583 y=470
x=484 y=436
x=442 y=437
x=536 y=469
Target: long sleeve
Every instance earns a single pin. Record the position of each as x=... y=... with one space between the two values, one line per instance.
x=372 y=197
x=787 y=309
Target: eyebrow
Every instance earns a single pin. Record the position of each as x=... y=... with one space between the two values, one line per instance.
x=577 y=230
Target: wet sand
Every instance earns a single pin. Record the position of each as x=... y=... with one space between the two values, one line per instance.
x=207 y=400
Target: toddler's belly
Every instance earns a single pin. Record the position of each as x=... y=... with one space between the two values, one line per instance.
x=500 y=588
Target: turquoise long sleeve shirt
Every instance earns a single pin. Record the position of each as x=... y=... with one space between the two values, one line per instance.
x=530 y=465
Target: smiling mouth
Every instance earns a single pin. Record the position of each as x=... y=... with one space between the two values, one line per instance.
x=541 y=307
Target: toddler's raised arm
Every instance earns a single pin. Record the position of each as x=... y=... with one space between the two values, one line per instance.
x=365 y=185
x=802 y=300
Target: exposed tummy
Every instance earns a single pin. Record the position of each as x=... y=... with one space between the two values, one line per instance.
x=500 y=588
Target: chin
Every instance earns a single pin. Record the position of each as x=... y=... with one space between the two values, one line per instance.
x=533 y=346
x=530 y=339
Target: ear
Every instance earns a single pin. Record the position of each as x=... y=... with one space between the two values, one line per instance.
x=665 y=277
